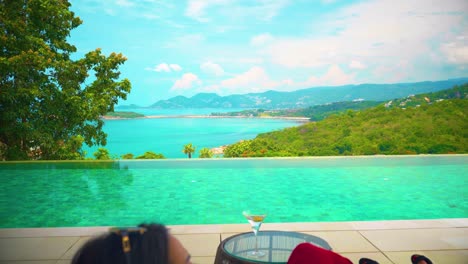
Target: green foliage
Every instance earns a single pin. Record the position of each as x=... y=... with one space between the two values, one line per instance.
x=150 y=155
x=123 y=114
x=49 y=103
x=320 y=112
x=439 y=127
x=205 y=153
x=127 y=156
x=71 y=149
x=188 y=150
x=240 y=149
x=102 y=154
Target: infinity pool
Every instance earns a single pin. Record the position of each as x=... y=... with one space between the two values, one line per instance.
x=53 y=194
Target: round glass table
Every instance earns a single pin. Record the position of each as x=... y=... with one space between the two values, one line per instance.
x=277 y=245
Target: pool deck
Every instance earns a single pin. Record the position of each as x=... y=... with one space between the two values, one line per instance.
x=442 y=240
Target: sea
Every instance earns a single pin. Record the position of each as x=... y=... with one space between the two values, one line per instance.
x=169 y=135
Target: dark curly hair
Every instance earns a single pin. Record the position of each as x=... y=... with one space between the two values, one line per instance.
x=148 y=247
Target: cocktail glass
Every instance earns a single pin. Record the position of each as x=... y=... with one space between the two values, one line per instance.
x=255 y=221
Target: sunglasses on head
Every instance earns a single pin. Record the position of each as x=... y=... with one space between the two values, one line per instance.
x=124 y=233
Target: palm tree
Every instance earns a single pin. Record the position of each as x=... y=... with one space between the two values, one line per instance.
x=205 y=153
x=189 y=149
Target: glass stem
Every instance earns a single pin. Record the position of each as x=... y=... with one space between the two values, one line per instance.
x=256 y=242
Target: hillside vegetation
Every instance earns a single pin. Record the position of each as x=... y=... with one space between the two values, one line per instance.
x=436 y=124
x=320 y=112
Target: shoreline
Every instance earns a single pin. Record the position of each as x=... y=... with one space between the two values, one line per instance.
x=301 y=119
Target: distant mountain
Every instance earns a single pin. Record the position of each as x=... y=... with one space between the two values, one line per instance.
x=308 y=97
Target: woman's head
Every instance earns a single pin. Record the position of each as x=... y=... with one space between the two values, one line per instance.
x=146 y=244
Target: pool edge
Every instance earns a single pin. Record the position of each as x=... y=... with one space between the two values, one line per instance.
x=237 y=228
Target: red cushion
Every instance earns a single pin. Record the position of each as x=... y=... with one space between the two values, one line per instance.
x=307 y=253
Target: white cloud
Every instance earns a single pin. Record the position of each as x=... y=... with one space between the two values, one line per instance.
x=334 y=76
x=212 y=68
x=262 y=10
x=196 y=8
x=164 y=67
x=400 y=70
x=175 y=67
x=256 y=79
x=187 y=81
x=297 y=52
x=253 y=80
x=378 y=32
x=456 y=52
x=354 y=64
x=261 y=39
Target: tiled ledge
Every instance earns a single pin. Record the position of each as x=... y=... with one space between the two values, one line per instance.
x=237 y=228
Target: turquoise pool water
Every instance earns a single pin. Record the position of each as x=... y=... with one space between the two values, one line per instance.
x=52 y=194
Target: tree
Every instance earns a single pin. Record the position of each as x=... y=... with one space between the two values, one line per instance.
x=239 y=149
x=188 y=150
x=102 y=154
x=48 y=99
x=150 y=155
x=127 y=156
x=205 y=153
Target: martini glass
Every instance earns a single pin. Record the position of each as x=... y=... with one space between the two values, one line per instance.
x=255 y=221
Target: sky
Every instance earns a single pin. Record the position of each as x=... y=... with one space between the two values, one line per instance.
x=248 y=46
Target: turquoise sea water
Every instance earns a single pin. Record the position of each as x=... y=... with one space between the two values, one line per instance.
x=182 y=191
x=169 y=135
x=180 y=111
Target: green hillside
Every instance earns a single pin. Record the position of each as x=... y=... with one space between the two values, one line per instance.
x=434 y=126
x=320 y=112
x=457 y=92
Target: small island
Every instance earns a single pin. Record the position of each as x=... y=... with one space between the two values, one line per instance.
x=122 y=115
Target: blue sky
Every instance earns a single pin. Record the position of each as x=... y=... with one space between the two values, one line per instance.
x=243 y=46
